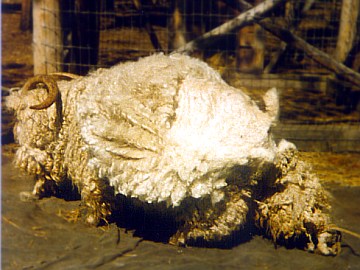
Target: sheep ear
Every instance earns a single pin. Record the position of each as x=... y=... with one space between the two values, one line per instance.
x=271 y=99
x=12 y=99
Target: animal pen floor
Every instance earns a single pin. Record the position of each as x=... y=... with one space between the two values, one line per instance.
x=47 y=234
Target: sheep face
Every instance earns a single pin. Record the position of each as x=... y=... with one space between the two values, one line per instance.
x=34 y=132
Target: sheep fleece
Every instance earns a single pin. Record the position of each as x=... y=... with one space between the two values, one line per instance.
x=166 y=131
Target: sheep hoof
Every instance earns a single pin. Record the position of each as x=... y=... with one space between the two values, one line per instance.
x=178 y=239
x=27 y=196
x=91 y=220
x=94 y=217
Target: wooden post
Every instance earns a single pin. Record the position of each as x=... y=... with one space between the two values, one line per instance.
x=347 y=29
x=250 y=52
x=47 y=36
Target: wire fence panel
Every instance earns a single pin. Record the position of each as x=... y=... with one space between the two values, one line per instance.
x=115 y=30
x=314 y=89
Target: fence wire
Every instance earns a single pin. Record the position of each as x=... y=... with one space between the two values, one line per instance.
x=103 y=33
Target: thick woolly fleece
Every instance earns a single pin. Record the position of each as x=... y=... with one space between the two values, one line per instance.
x=162 y=129
x=166 y=128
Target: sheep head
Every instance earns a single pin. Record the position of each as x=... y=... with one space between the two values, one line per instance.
x=43 y=117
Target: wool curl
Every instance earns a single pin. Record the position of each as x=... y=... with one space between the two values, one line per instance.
x=297 y=210
x=168 y=131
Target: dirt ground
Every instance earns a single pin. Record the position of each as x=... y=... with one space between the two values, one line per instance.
x=49 y=234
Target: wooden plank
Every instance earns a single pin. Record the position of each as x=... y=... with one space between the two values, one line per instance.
x=281 y=81
x=320 y=138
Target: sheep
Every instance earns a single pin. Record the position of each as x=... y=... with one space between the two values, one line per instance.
x=170 y=134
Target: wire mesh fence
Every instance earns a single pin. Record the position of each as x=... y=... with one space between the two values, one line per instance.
x=115 y=30
x=102 y=33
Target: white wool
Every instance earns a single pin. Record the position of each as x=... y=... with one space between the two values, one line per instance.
x=160 y=129
x=166 y=129
x=172 y=131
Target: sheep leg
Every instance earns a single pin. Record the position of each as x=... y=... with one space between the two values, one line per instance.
x=215 y=224
x=98 y=198
x=297 y=213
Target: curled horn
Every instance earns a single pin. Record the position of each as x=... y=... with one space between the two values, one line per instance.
x=65 y=75
x=51 y=87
